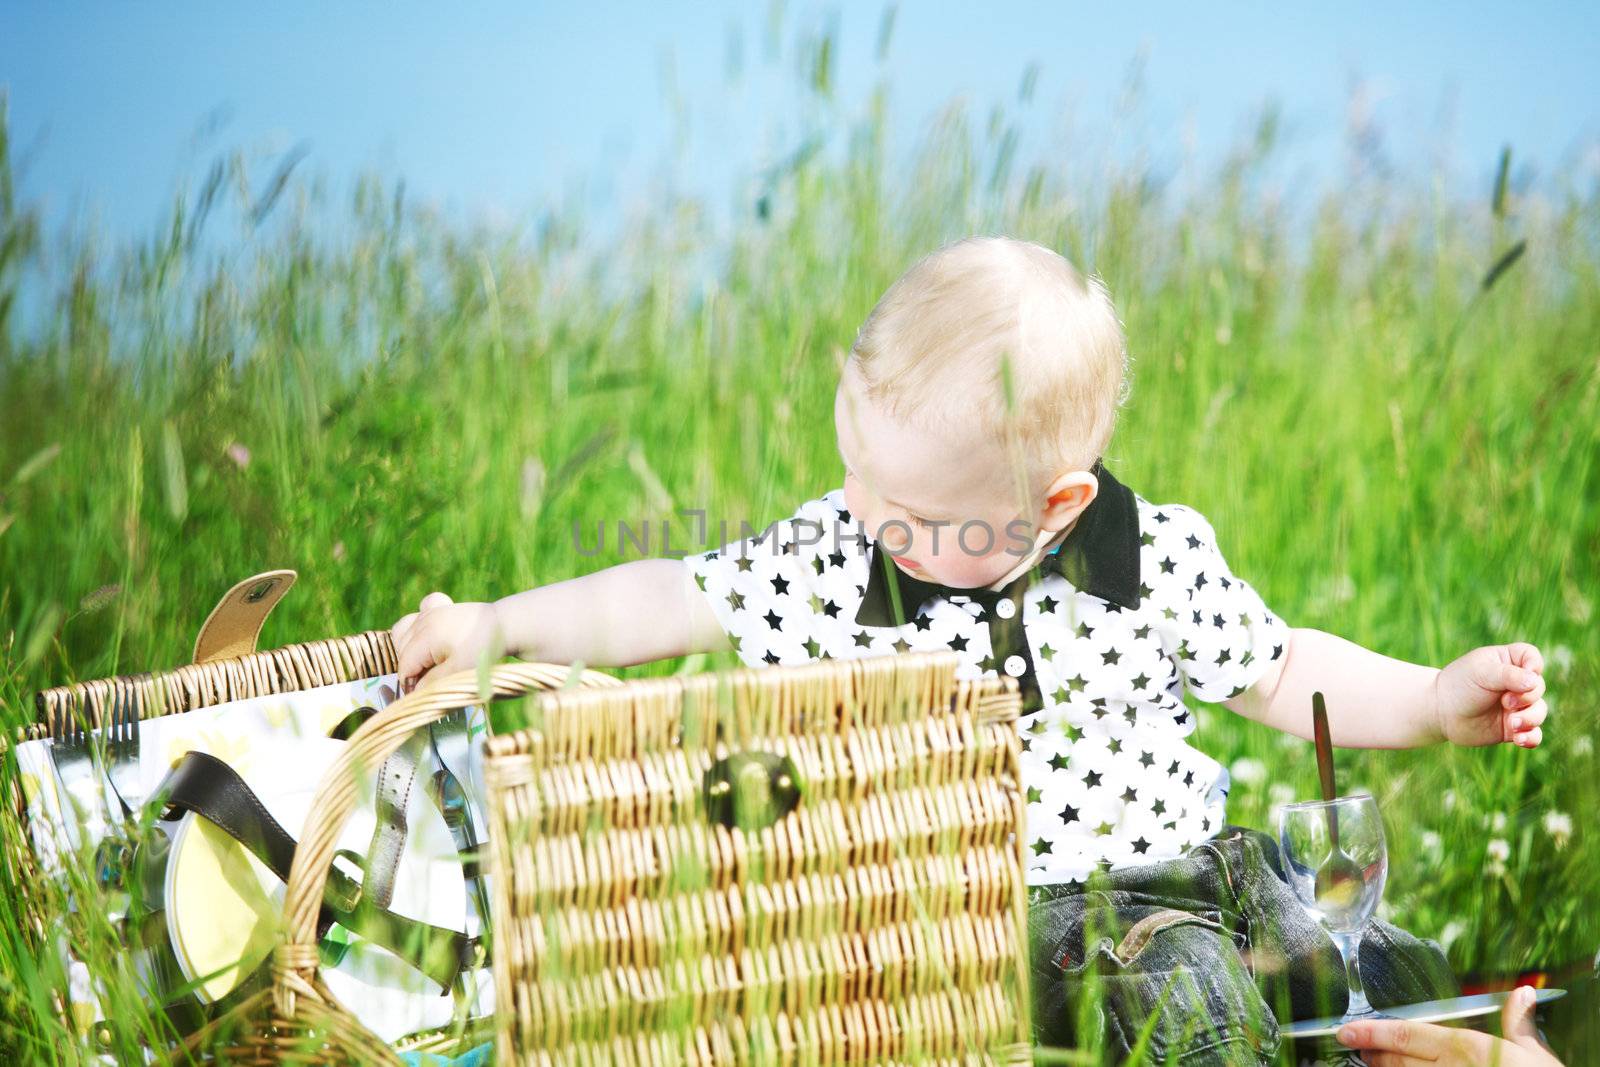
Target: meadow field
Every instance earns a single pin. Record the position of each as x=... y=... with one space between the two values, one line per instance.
x=1385 y=396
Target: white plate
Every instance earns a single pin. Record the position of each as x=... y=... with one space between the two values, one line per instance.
x=224 y=907
x=1428 y=1011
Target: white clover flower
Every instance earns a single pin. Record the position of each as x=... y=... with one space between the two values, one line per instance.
x=1558 y=824
x=1432 y=843
x=1579 y=607
x=1498 y=852
x=1333 y=591
x=1582 y=745
x=1560 y=660
x=1248 y=771
x=1496 y=822
x=1279 y=794
x=1448 y=800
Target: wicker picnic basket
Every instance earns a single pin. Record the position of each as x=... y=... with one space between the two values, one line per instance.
x=882 y=918
x=876 y=915
x=227 y=667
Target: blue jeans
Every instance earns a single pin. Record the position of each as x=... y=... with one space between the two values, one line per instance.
x=1199 y=956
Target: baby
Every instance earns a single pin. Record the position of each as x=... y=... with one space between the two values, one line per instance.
x=977 y=515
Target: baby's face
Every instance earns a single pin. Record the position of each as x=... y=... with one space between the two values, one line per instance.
x=944 y=505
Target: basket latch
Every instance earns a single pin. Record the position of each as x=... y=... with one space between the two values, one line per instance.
x=751 y=790
x=234 y=624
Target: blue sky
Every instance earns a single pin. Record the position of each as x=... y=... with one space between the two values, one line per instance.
x=495 y=112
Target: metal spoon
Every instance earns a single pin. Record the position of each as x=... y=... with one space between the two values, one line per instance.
x=1340 y=877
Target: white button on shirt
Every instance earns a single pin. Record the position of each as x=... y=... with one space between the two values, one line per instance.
x=1139 y=607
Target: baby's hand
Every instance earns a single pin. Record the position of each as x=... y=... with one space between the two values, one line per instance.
x=1491 y=695
x=443 y=637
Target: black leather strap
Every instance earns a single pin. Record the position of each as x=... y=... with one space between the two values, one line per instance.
x=211 y=789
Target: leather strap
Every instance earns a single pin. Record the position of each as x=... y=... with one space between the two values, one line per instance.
x=211 y=789
x=235 y=623
x=395 y=779
x=453 y=802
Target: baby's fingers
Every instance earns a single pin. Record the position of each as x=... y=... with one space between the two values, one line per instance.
x=416 y=657
x=1516 y=697
x=1508 y=679
x=401 y=628
x=1526 y=655
x=1528 y=717
x=1522 y=727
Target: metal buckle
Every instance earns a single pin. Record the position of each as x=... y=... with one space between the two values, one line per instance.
x=751 y=790
x=259 y=591
x=342 y=891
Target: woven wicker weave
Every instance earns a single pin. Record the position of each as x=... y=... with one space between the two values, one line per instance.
x=204 y=685
x=882 y=920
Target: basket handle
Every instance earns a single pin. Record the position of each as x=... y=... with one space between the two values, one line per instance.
x=234 y=625
x=295 y=973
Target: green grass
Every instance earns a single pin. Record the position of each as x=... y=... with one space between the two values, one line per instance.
x=391 y=403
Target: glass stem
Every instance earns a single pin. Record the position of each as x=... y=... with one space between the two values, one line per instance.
x=1349 y=944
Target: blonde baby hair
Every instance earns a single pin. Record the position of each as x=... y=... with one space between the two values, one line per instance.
x=936 y=349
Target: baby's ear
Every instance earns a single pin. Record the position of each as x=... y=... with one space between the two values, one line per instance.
x=1066 y=496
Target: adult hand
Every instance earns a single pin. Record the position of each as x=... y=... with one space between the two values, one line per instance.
x=1397 y=1043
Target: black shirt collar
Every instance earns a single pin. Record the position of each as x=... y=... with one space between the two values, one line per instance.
x=1100 y=556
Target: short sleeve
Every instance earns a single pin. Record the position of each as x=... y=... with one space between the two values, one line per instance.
x=762 y=587
x=1216 y=626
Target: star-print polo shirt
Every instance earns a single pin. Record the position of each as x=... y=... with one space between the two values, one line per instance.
x=1104 y=636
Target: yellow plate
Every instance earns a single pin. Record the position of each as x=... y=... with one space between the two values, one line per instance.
x=224 y=907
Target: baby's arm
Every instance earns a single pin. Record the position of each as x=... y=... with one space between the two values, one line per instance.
x=1373 y=701
x=1490 y=695
x=634 y=612
x=1233 y=651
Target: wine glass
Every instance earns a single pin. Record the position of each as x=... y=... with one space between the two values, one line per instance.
x=1334 y=855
